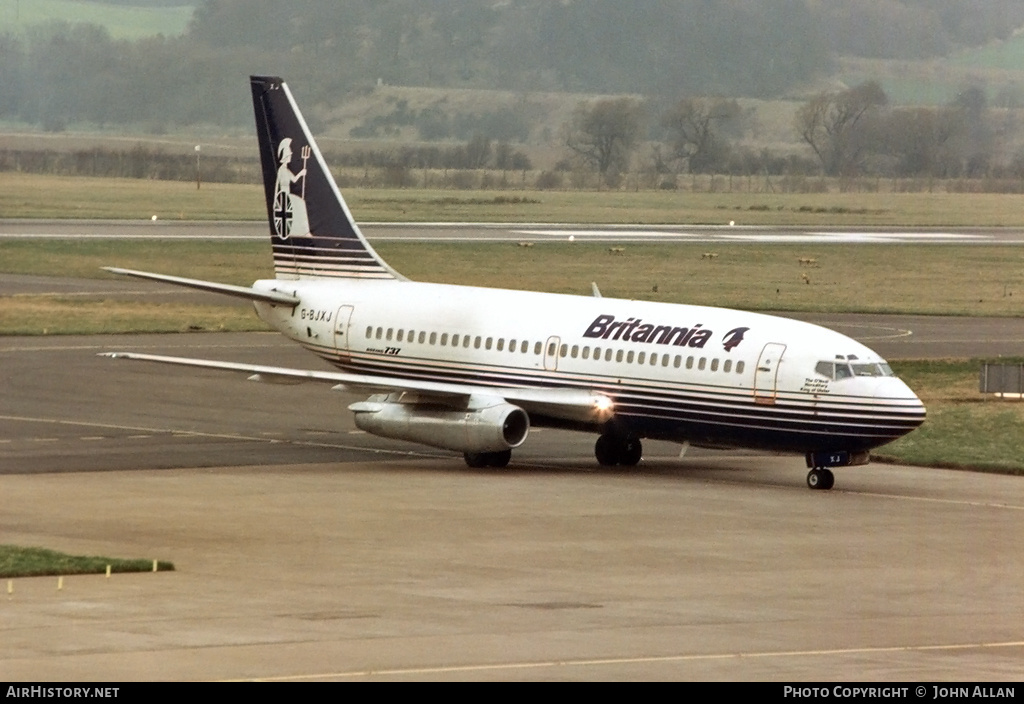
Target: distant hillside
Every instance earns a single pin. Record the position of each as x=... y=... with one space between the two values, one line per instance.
x=997 y=68
x=131 y=19
x=512 y=70
x=1005 y=55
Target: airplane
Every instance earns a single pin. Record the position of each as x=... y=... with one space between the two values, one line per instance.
x=472 y=370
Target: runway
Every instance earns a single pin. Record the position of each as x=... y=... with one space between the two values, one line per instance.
x=307 y=550
x=518 y=232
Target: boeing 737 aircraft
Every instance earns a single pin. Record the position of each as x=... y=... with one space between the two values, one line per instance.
x=473 y=369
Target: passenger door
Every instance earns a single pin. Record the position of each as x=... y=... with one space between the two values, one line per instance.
x=551 y=353
x=766 y=373
x=341 y=332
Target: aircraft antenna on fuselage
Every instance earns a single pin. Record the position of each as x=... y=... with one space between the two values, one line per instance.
x=313 y=233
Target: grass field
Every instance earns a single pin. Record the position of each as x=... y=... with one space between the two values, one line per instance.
x=35 y=196
x=926 y=279
x=965 y=429
x=33 y=562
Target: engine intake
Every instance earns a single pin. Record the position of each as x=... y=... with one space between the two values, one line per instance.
x=493 y=428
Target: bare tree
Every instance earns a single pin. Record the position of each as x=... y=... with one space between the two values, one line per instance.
x=604 y=134
x=833 y=125
x=696 y=125
x=478 y=152
x=923 y=141
x=977 y=140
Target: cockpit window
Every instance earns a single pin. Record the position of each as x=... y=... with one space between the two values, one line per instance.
x=845 y=370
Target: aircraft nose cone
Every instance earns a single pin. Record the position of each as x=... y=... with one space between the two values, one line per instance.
x=920 y=411
x=900 y=401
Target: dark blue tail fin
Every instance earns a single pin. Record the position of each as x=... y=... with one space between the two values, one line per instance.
x=311 y=228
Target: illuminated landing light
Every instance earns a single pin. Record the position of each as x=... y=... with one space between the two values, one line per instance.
x=604 y=407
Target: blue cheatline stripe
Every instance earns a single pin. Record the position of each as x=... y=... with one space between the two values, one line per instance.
x=706 y=405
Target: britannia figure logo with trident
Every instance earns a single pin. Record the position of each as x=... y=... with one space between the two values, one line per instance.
x=290 y=218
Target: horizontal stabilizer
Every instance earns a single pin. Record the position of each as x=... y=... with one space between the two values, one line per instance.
x=252 y=294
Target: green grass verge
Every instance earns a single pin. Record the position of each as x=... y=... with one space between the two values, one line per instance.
x=983 y=436
x=964 y=429
x=52 y=315
x=63 y=197
x=921 y=279
x=38 y=196
x=37 y=562
x=227 y=261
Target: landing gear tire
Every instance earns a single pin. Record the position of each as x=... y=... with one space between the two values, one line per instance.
x=632 y=452
x=605 y=451
x=499 y=459
x=478 y=460
x=821 y=479
x=612 y=450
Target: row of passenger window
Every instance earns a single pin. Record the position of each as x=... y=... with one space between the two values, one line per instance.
x=564 y=350
x=653 y=359
x=453 y=340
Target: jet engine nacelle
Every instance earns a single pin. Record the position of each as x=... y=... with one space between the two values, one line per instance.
x=492 y=428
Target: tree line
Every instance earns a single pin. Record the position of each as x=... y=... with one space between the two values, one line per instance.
x=849 y=133
x=141 y=161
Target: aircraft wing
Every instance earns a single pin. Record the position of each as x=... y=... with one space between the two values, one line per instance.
x=563 y=403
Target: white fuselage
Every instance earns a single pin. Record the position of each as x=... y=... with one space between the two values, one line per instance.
x=705 y=375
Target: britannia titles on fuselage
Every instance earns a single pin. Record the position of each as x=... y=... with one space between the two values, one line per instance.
x=606 y=327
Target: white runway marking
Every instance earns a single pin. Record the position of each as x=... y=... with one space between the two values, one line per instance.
x=510 y=232
x=905 y=236
x=859 y=237
x=607 y=233
x=894 y=333
x=597 y=662
x=933 y=500
x=175 y=432
x=727 y=233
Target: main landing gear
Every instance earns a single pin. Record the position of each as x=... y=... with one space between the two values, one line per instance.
x=487 y=459
x=821 y=479
x=612 y=450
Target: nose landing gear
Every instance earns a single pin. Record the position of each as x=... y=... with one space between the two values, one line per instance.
x=822 y=479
